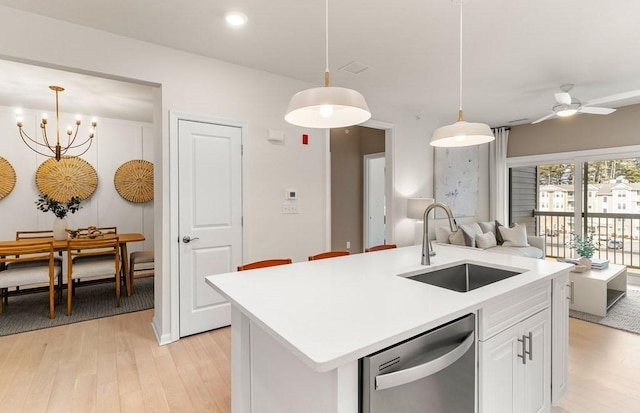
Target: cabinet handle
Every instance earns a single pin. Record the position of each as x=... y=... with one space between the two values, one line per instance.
x=530 y=352
x=523 y=356
x=571 y=292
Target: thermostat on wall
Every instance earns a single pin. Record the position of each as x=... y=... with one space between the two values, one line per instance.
x=292 y=194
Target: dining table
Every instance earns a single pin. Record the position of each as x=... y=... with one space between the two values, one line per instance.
x=123 y=239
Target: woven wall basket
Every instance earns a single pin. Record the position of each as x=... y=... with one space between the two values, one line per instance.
x=70 y=176
x=7 y=178
x=134 y=180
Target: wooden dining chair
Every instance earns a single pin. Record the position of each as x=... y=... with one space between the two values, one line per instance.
x=45 y=234
x=90 y=259
x=264 y=263
x=42 y=235
x=328 y=254
x=28 y=264
x=89 y=231
x=141 y=264
x=380 y=247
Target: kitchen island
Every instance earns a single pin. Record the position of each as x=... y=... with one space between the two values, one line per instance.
x=299 y=330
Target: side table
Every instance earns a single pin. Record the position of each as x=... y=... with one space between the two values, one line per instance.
x=595 y=291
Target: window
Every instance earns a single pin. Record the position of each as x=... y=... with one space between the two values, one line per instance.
x=604 y=199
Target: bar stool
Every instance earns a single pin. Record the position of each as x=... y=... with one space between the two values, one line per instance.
x=264 y=263
x=328 y=254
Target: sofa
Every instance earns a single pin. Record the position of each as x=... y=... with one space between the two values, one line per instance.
x=491 y=236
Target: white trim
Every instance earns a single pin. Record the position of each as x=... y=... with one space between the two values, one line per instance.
x=327 y=190
x=590 y=154
x=174 y=117
x=365 y=196
x=389 y=186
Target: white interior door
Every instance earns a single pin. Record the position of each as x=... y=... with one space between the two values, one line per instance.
x=374 y=200
x=210 y=219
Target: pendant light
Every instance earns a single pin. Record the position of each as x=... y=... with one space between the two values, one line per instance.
x=461 y=133
x=328 y=106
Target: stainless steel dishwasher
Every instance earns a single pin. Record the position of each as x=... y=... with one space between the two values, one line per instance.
x=431 y=373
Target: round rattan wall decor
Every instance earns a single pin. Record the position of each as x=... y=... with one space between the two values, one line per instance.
x=70 y=176
x=7 y=178
x=134 y=180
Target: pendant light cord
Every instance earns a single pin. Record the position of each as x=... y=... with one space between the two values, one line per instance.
x=460 y=107
x=326 y=42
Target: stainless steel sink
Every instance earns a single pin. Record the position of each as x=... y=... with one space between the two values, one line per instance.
x=464 y=277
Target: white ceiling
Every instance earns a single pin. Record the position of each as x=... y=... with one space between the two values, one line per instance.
x=516 y=52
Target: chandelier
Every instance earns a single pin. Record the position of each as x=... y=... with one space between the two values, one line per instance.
x=57 y=150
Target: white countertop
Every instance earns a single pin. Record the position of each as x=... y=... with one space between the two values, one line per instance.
x=333 y=311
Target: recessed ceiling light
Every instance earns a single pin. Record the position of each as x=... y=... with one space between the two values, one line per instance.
x=235 y=18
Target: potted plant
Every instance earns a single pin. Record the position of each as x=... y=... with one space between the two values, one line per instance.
x=584 y=247
x=60 y=210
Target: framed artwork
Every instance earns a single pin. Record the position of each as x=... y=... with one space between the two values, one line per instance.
x=456 y=178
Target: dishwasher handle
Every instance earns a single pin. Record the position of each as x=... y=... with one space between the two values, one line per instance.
x=401 y=377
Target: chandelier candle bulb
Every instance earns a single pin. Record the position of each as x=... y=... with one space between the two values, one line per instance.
x=56 y=151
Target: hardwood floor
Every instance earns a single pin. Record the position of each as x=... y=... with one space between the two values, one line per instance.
x=115 y=365
x=604 y=370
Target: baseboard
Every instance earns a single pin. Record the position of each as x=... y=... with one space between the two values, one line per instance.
x=161 y=339
x=633 y=279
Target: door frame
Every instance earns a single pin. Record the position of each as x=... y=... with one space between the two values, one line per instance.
x=365 y=197
x=388 y=176
x=172 y=290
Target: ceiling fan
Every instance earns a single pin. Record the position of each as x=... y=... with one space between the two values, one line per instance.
x=568 y=105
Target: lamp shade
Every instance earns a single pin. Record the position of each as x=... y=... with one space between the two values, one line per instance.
x=416 y=207
x=462 y=133
x=327 y=107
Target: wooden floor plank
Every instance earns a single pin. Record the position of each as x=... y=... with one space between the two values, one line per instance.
x=114 y=365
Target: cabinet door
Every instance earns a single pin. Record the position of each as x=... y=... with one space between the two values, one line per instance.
x=535 y=389
x=499 y=372
x=560 y=338
x=509 y=383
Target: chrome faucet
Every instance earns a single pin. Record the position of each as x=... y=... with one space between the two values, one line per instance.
x=427 y=248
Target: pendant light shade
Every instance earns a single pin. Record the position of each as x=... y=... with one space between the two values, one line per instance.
x=461 y=133
x=327 y=107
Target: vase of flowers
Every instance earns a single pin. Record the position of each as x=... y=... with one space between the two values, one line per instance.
x=584 y=247
x=60 y=210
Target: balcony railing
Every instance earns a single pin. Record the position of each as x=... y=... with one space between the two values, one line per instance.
x=617 y=235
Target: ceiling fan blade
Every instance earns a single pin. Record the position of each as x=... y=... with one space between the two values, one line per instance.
x=613 y=98
x=596 y=110
x=543 y=118
x=563 y=98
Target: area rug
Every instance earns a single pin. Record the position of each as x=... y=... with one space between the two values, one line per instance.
x=624 y=315
x=31 y=311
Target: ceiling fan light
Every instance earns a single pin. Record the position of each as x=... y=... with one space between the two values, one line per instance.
x=460 y=134
x=566 y=112
x=327 y=107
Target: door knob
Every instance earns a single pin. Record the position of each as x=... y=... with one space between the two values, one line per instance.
x=187 y=239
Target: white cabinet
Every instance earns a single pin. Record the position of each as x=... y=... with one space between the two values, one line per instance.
x=515 y=367
x=560 y=339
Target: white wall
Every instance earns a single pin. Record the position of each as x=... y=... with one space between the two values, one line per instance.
x=195 y=84
x=116 y=142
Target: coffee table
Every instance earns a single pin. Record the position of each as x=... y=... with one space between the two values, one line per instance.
x=595 y=291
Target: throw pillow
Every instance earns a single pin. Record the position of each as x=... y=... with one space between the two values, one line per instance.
x=498 y=235
x=514 y=237
x=489 y=226
x=472 y=228
x=442 y=235
x=463 y=238
x=485 y=241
